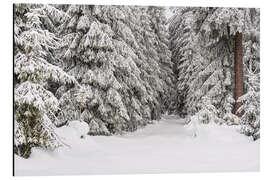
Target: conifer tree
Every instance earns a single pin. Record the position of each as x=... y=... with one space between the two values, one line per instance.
x=158 y=23
x=250 y=109
x=104 y=49
x=34 y=105
x=183 y=48
x=202 y=44
x=250 y=119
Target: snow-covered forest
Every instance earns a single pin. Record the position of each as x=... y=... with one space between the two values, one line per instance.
x=90 y=81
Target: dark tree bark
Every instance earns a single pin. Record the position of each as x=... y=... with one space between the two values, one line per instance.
x=238 y=66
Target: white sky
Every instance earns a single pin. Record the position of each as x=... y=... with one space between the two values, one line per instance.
x=168 y=12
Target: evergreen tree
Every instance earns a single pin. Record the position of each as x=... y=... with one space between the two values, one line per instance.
x=161 y=42
x=88 y=54
x=34 y=105
x=105 y=49
x=183 y=48
x=202 y=44
x=250 y=120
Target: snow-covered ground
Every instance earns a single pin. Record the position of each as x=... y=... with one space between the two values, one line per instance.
x=163 y=147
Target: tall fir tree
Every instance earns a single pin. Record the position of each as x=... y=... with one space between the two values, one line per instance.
x=104 y=50
x=202 y=44
x=34 y=105
x=158 y=23
x=250 y=119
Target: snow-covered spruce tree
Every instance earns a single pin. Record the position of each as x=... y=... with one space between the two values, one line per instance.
x=127 y=30
x=215 y=33
x=102 y=52
x=88 y=56
x=147 y=25
x=34 y=104
x=135 y=94
x=196 y=80
x=207 y=37
x=142 y=103
x=183 y=48
x=245 y=22
x=250 y=120
x=147 y=51
x=158 y=23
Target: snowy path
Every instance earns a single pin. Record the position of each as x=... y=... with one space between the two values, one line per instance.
x=163 y=147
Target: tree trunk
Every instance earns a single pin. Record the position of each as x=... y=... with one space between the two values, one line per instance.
x=238 y=66
x=80 y=112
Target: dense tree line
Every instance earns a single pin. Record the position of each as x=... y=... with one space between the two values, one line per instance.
x=214 y=65
x=108 y=66
x=118 y=68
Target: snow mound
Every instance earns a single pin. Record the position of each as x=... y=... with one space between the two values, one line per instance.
x=71 y=136
x=80 y=127
x=192 y=127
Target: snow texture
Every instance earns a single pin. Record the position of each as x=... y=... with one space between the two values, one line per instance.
x=80 y=127
x=163 y=147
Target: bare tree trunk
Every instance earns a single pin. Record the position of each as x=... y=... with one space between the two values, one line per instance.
x=238 y=60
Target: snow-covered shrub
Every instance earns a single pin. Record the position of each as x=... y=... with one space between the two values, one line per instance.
x=228 y=117
x=192 y=125
x=80 y=127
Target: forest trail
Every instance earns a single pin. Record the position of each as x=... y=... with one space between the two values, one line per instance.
x=163 y=147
